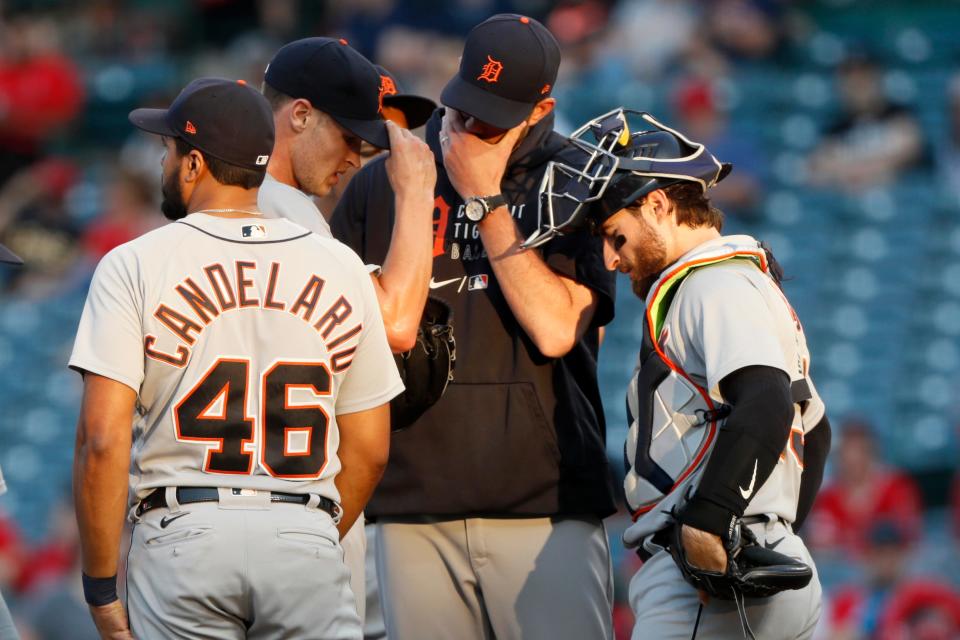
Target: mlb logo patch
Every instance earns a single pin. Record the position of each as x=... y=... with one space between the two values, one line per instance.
x=262 y=160
x=478 y=282
x=254 y=231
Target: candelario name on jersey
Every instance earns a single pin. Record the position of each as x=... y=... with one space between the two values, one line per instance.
x=196 y=302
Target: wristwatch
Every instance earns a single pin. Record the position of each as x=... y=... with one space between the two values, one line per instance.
x=476 y=209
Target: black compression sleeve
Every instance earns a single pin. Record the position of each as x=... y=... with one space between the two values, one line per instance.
x=816 y=446
x=747 y=447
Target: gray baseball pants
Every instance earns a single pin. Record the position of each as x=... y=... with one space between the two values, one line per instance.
x=666 y=606
x=485 y=578
x=241 y=568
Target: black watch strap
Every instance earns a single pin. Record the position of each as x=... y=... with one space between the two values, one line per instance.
x=492 y=202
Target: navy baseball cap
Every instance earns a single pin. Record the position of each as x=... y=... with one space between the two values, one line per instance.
x=9 y=257
x=223 y=118
x=417 y=109
x=509 y=63
x=337 y=80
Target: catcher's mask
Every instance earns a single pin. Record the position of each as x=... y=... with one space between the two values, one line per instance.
x=618 y=168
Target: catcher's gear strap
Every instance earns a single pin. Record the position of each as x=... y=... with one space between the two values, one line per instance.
x=747 y=448
x=816 y=446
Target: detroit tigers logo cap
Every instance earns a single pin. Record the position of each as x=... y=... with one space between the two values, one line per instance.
x=509 y=63
x=417 y=109
x=224 y=118
x=336 y=79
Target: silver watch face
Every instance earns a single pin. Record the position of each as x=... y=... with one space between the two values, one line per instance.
x=474 y=210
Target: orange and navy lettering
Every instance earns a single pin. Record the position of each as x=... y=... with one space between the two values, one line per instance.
x=193 y=307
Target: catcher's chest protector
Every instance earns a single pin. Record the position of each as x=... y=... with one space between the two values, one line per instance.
x=673 y=420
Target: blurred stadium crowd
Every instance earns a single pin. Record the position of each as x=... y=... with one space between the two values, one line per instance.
x=842 y=119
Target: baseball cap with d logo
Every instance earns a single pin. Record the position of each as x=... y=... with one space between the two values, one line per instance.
x=223 y=118
x=337 y=80
x=509 y=64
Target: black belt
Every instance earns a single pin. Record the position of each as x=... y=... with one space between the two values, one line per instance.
x=663 y=537
x=190 y=495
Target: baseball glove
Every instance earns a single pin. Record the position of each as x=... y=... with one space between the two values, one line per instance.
x=428 y=367
x=753 y=571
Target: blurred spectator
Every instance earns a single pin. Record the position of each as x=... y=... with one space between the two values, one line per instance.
x=54 y=607
x=57 y=611
x=590 y=68
x=890 y=605
x=40 y=90
x=35 y=225
x=704 y=121
x=129 y=211
x=748 y=29
x=948 y=152
x=650 y=34
x=873 y=141
x=862 y=493
x=11 y=554
x=52 y=560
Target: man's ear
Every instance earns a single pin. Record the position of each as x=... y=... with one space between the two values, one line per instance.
x=660 y=204
x=192 y=166
x=541 y=110
x=299 y=113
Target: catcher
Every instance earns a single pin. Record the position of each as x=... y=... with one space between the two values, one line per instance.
x=728 y=437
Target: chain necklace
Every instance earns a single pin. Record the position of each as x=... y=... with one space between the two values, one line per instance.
x=253 y=213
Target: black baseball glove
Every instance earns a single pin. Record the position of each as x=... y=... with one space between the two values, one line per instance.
x=752 y=571
x=428 y=367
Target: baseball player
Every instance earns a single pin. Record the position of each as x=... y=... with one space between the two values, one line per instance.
x=251 y=355
x=326 y=100
x=727 y=437
x=7 y=629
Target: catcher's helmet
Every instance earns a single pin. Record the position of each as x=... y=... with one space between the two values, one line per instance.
x=618 y=168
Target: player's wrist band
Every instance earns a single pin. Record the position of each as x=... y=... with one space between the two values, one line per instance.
x=100 y=591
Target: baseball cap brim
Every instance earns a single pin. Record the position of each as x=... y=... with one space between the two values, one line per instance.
x=152 y=121
x=487 y=107
x=417 y=109
x=9 y=257
x=372 y=131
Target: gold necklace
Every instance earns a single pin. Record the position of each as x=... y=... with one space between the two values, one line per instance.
x=253 y=213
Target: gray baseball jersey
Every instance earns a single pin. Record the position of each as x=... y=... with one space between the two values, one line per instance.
x=279 y=200
x=724 y=317
x=244 y=339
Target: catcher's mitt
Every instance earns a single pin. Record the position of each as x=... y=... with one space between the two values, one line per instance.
x=753 y=571
x=428 y=367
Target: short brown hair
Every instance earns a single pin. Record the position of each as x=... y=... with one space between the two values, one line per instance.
x=276 y=98
x=224 y=172
x=694 y=208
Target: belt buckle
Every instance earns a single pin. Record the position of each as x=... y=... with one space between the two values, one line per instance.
x=233 y=498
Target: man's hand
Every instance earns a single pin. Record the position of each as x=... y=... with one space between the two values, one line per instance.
x=411 y=167
x=475 y=167
x=111 y=621
x=704 y=550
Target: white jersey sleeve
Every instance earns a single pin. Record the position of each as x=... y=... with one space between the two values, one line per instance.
x=109 y=339
x=279 y=200
x=372 y=379
x=725 y=323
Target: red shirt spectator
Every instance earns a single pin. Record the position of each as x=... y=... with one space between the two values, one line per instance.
x=863 y=493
